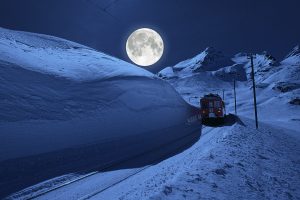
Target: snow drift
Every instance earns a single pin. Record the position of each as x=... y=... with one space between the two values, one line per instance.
x=60 y=98
x=50 y=82
x=59 y=57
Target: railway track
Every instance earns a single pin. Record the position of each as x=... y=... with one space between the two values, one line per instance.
x=188 y=137
x=127 y=177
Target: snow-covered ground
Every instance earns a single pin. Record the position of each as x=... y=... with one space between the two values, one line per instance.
x=230 y=162
x=93 y=115
x=233 y=162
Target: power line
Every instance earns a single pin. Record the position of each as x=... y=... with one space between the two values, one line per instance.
x=234 y=81
x=104 y=9
x=110 y=4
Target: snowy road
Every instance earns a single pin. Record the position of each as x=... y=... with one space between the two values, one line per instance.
x=230 y=162
x=233 y=162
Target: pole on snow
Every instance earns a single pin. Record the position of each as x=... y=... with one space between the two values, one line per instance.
x=251 y=56
x=223 y=95
x=234 y=96
x=224 y=101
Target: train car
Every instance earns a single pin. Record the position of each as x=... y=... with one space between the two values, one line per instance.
x=212 y=108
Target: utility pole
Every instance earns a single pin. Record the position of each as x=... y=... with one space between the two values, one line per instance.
x=224 y=101
x=254 y=89
x=223 y=95
x=234 y=74
x=234 y=96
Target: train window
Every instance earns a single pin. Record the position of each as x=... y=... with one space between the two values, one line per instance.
x=217 y=104
x=204 y=105
x=211 y=104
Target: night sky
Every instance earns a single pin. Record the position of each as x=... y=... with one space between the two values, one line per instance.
x=187 y=26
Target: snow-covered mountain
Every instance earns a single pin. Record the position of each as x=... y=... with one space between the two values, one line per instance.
x=224 y=67
x=278 y=83
x=208 y=60
x=293 y=58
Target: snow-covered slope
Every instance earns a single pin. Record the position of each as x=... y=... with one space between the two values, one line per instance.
x=64 y=105
x=293 y=58
x=229 y=162
x=40 y=88
x=278 y=86
x=208 y=60
x=52 y=55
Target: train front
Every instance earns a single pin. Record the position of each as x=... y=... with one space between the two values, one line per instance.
x=212 y=108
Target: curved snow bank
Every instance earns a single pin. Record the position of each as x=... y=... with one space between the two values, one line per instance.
x=52 y=55
x=51 y=126
x=67 y=108
x=63 y=113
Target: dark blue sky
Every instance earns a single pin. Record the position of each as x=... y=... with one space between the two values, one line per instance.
x=187 y=26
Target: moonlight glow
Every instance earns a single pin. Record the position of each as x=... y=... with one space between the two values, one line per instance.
x=144 y=47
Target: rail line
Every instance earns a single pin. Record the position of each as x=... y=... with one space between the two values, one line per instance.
x=123 y=179
x=116 y=163
x=86 y=197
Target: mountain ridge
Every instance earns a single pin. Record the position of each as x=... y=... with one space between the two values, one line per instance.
x=60 y=57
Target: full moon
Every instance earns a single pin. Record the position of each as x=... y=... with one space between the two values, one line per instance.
x=144 y=47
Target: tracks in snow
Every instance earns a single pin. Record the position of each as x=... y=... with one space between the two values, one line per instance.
x=180 y=143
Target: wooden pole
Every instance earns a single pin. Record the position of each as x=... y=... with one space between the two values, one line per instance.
x=254 y=91
x=234 y=96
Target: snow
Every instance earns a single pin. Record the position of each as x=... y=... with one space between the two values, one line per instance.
x=191 y=62
x=51 y=55
x=66 y=107
x=229 y=73
x=31 y=101
x=167 y=72
x=277 y=86
x=83 y=114
x=293 y=58
x=230 y=162
x=59 y=117
x=241 y=163
x=208 y=60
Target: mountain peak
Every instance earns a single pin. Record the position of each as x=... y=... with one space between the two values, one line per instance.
x=295 y=51
x=212 y=50
x=208 y=60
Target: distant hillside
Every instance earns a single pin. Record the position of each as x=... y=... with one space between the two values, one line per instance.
x=277 y=82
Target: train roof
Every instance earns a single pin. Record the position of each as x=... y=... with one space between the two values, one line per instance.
x=211 y=96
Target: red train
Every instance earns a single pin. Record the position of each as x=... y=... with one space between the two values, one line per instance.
x=212 y=108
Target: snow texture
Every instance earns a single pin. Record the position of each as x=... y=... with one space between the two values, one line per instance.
x=277 y=85
x=230 y=162
x=87 y=106
x=59 y=57
x=60 y=98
